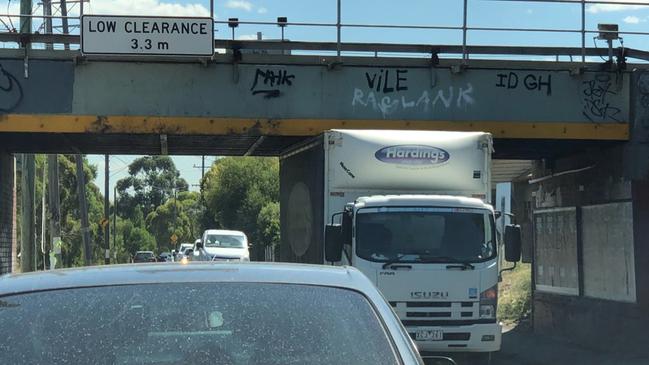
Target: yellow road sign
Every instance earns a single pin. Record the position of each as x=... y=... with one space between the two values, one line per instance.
x=103 y=222
x=174 y=238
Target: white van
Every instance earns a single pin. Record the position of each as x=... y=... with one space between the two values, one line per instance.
x=224 y=245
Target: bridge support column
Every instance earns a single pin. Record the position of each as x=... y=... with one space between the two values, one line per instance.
x=8 y=259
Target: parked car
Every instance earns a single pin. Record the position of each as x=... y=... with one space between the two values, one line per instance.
x=268 y=314
x=224 y=245
x=144 y=256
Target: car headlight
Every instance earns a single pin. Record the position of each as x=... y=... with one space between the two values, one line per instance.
x=489 y=302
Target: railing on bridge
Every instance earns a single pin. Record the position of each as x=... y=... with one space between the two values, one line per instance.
x=47 y=37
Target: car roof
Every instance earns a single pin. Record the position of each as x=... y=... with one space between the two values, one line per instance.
x=224 y=231
x=196 y=272
x=136 y=252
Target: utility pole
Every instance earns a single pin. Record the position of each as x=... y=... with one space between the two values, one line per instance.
x=55 y=209
x=43 y=221
x=83 y=210
x=202 y=167
x=27 y=236
x=115 y=222
x=107 y=209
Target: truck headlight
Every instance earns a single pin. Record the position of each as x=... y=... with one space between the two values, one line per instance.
x=489 y=302
x=245 y=258
x=487 y=311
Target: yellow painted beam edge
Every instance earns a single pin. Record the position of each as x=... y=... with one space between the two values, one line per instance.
x=51 y=123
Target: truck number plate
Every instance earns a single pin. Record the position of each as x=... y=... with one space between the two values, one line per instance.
x=429 y=335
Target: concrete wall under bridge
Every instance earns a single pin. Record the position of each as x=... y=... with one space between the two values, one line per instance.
x=586 y=218
x=587 y=211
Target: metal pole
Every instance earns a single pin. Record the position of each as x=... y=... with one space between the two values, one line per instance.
x=55 y=209
x=25 y=16
x=338 y=28
x=212 y=9
x=175 y=215
x=81 y=8
x=43 y=220
x=107 y=209
x=26 y=26
x=115 y=220
x=465 y=56
x=47 y=11
x=64 y=21
x=583 y=31
x=202 y=169
x=83 y=210
x=27 y=237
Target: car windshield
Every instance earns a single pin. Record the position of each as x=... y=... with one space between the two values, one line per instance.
x=424 y=234
x=225 y=240
x=230 y=323
x=143 y=255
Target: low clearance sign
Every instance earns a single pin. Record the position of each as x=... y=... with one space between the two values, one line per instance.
x=128 y=35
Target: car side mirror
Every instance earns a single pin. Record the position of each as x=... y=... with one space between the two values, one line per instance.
x=438 y=360
x=333 y=242
x=513 y=243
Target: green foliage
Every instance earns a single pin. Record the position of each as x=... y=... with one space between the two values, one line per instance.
x=236 y=190
x=141 y=239
x=515 y=294
x=268 y=224
x=151 y=182
x=72 y=245
x=176 y=216
x=70 y=214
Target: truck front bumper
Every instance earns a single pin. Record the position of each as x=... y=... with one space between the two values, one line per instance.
x=470 y=338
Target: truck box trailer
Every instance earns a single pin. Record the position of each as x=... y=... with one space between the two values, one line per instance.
x=410 y=209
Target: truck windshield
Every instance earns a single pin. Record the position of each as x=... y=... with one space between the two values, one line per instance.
x=425 y=235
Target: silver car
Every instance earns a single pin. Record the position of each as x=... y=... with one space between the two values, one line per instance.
x=199 y=313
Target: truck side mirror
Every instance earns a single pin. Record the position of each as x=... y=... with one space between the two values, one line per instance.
x=513 y=243
x=333 y=242
x=199 y=244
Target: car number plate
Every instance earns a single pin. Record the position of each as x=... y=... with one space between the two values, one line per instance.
x=429 y=335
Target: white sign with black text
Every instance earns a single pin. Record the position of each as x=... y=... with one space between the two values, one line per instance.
x=140 y=35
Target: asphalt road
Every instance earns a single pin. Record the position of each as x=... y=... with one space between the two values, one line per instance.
x=522 y=347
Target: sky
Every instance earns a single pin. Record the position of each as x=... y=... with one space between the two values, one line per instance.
x=481 y=13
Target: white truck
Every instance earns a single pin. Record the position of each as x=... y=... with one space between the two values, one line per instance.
x=410 y=209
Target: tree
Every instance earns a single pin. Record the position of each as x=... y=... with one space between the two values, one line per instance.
x=179 y=216
x=70 y=216
x=236 y=190
x=151 y=182
x=268 y=224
